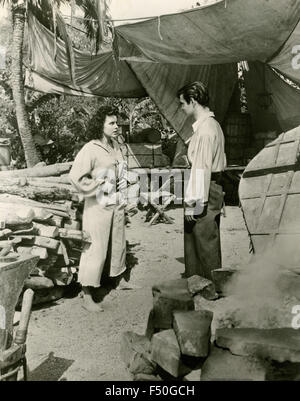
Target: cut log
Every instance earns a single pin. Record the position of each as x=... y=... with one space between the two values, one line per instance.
x=14 y=199
x=38 y=240
x=59 y=277
x=42 y=183
x=62 y=179
x=49 y=263
x=5 y=250
x=58 y=213
x=68 y=203
x=72 y=269
x=62 y=250
x=23 y=210
x=36 y=193
x=12 y=218
x=9 y=257
x=74 y=235
x=46 y=171
x=25 y=238
x=14 y=181
x=20 y=226
x=5 y=233
x=10 y=243
x=46 y=242
x=38 y=283
x=70 y=224
x=33 y=250
x=29 y=231
x=46 y=230
x=55 y=221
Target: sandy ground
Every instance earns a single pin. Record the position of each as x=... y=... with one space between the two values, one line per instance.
x=65 y=342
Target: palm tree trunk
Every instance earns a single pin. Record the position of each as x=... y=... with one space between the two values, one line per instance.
x=31 y=155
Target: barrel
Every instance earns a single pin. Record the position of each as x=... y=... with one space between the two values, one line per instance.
x=237 y=131
x=5 y=154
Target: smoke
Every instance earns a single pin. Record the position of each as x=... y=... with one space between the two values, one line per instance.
x=258 y=295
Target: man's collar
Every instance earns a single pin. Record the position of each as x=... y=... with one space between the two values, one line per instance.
x=206 y=114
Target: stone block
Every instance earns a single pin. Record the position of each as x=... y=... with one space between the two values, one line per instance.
x=135 y=353
x=281 y=344
x=285 y=371
x=193 y=332
x=222 y=277
x=202 y=286
x=150 y=328
x=142 y=377
x=167 y=297
x=165 y=352
x=193 y=376
x=221 y=365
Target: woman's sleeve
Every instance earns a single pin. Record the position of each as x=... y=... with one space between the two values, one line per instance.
x=81 y=174
x=199 y=182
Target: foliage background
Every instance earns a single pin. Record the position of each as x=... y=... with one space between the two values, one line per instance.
x=63 y=119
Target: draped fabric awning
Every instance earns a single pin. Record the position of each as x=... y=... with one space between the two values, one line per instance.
x=224 y=32
x=158 y=56
x=104 y=75
x=163 y=80
x=265 y=87
x=100 y=75
x=288 y=59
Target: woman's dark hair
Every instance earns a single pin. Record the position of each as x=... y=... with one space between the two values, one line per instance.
x=96 y=124
x=196 y=90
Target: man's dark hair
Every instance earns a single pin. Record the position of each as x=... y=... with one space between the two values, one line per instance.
x=196 y=90
x=96 y=124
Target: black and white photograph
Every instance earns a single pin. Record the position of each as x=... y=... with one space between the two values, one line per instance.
x=150 y=193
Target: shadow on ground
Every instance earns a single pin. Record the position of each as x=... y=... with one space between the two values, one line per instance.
x=51 y=369
x=111 y=283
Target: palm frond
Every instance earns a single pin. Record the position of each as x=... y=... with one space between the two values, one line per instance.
x=95 y=13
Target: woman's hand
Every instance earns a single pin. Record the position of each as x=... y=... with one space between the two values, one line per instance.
x=121 y=184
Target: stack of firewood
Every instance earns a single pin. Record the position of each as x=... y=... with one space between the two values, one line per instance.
x=40 y=214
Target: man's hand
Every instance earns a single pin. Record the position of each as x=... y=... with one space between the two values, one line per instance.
x=189 y=218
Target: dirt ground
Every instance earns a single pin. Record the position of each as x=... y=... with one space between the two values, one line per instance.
x=65 y=342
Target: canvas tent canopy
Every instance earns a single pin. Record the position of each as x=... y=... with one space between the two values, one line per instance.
x=160 y=55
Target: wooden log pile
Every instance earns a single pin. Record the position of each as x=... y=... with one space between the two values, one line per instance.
x=40 y=214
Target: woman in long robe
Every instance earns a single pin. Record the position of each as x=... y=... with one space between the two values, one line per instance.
x=96 y=174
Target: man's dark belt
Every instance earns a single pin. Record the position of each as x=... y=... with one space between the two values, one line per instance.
x=217 y=177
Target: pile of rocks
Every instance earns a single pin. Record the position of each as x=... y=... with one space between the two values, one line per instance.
x=179 y=344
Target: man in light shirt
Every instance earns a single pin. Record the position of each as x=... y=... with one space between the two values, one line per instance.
x=203 y=199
